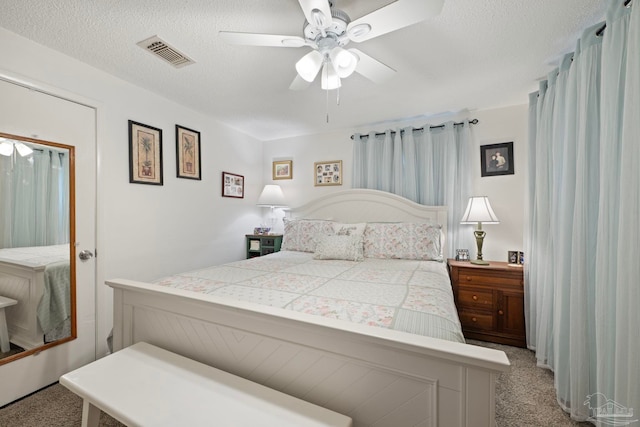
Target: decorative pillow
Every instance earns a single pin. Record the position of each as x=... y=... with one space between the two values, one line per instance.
x=342 y=229
x=339 y=246
x=300 y=234
x=403 y=240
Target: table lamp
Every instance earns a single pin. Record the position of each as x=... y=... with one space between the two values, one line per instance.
x=272 y=197
x=479 y=212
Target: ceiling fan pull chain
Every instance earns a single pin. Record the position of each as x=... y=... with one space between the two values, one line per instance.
x=327 y=104
x=338 y=96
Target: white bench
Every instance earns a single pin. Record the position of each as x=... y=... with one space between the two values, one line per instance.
x=143 y=385
x=5 y=345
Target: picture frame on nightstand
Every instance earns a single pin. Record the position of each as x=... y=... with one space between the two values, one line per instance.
x=462 y=254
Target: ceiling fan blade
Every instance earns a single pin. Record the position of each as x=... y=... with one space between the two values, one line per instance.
x=394 y=16
x=371 y=68
x=299 y=83
x=252 y=39
x=317 y=12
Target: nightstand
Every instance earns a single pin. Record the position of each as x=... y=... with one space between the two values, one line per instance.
x=262 y=244
x=490 y=301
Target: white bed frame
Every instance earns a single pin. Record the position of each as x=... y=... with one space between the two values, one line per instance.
x=26 y=285
x=376 y=376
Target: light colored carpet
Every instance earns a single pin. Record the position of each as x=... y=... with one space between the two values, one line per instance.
x=525 y=397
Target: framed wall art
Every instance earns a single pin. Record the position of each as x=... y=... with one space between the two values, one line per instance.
x=145 y=154
x=187 y=153
x=232 y=185
x=496 y=159
x=328 y=173
x=282 y=169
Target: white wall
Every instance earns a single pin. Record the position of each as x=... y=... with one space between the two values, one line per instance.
x=145 y=231
x=506 y=192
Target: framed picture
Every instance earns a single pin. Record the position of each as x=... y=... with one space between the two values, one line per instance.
x=232 y=185
x=328 y=173
x=462 y=254
x=187 y=153
x=145 y=154
x=496 y=159
x=283 y=169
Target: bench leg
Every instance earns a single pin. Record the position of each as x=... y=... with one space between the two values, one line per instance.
x=5 y=346
x=90 y=414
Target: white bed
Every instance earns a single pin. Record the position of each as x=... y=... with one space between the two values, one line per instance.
x=28 y=275
x=375 y=375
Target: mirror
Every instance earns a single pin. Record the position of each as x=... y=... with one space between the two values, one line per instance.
x=37 y=265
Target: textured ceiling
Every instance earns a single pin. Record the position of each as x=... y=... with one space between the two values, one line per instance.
x=474 y=55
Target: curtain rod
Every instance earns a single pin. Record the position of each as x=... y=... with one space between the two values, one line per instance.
x=471 y=122
x=600 y=32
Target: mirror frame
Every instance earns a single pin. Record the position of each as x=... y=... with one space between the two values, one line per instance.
x=72 y=248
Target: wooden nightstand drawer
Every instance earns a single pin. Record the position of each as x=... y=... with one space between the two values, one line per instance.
x=470 y=276
x=481 y=321
x=475 y=298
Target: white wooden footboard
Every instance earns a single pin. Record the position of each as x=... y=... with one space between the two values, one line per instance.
x=25 y=285
x=376 y=376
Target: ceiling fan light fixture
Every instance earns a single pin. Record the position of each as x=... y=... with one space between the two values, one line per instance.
x=23 y=150
x=330 y=79
x=6 y=148
x=344 y=62
x=359 y=30
x=309 y=65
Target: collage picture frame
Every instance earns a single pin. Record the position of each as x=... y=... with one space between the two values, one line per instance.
x=328 y=173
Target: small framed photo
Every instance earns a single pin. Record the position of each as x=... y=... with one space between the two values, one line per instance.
x=145 y=154
x=462 y=254
x=232 y=185
x=187 y=153
x=283 y=169
x=328 y=173
x=515 y=258
x=497 y=159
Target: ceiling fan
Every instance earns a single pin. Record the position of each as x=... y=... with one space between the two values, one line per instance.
x=327 y=30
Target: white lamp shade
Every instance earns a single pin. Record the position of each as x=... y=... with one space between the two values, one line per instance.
x=309 y=65
x=272 y=196
x=479 y=210
x=330 y=79
x=344 y=62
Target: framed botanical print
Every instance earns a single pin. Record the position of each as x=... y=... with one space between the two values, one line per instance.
x=145 y=154
x=232 y=185
x=497 y=159
x=282 y=169
x=328 y=173
x=187 y=153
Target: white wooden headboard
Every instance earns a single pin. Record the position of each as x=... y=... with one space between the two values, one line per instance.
x=362 y=205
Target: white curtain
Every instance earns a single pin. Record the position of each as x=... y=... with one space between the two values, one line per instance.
x=34 y=198
x=429 y=166
x=581 y=282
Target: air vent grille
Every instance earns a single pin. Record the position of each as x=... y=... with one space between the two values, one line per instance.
x=162 y=49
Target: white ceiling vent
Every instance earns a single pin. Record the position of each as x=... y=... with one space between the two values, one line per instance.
x=159 y=47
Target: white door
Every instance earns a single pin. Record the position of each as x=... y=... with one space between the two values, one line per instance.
x=44 y=114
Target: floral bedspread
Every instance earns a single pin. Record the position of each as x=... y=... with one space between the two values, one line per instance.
x=405 y=295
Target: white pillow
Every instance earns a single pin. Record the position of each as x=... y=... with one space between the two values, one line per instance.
x=300 y=234
x=356 y=229
x=339 y=246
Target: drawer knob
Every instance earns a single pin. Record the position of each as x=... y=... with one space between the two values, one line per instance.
x=473 y=319
x=468 y=278
x=500 y=312
x=475 y=297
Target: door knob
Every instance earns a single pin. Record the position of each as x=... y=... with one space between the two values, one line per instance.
x=85 y=255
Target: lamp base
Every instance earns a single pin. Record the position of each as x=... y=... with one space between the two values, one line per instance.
x=479 y=262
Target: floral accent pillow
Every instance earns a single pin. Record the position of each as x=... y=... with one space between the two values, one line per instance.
x=300 y=234
x=342 y=229
x=339 y=246
x=403 y=240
